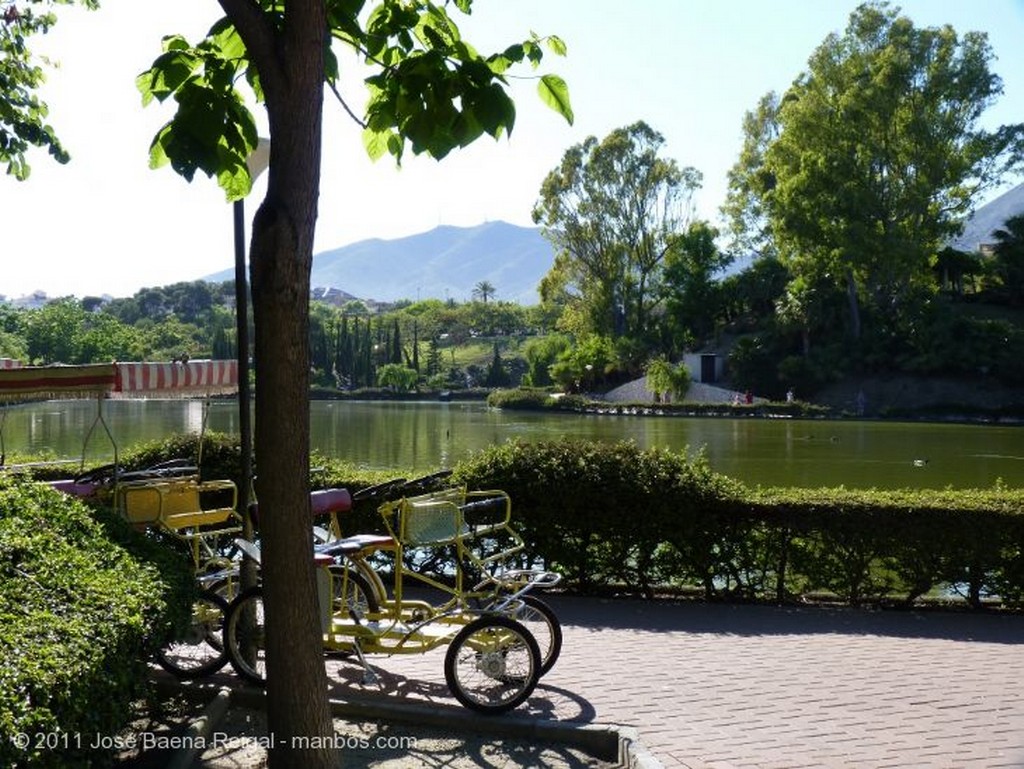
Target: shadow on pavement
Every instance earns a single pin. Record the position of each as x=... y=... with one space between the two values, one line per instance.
x=760 y=620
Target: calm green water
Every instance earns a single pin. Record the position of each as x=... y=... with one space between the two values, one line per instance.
x=425 y=436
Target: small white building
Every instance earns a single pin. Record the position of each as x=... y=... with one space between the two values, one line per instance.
x=705 y=367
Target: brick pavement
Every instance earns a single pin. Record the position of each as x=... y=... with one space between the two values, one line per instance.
x=719 y=686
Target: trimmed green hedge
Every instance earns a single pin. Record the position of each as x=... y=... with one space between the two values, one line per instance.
x=530 y=399
x=84 y=600
x=612 y=515
x=875 y=545
x=600 y=512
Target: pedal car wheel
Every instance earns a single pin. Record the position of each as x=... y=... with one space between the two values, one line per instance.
x=201 y=651
x=492 y=665
x=540 y=619
x=351 y=592
x=245 y=636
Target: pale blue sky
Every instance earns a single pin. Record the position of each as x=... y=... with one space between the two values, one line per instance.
x=105 y=223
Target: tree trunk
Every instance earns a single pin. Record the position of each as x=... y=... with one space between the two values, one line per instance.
x=297 y=710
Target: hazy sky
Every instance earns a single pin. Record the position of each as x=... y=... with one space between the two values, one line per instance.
x=106 y=223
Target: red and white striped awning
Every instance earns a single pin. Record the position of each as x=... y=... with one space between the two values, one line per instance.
x=123 y=380
x=194 y=377
x=55 y=381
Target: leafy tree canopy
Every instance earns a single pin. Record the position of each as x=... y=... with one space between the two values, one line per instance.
x=430 y=89
x=612 y=209
x=873 y=156
x=22 y=114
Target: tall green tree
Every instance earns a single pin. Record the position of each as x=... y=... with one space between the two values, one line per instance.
x=429 y=90
x=395 y=343
x=497 y=374
x=541 y=353
x=612 y=210
x=749 y=180
x=873 y=156
x=53 y=332
x=104 y=338
x=689 y=286
x=433 y=357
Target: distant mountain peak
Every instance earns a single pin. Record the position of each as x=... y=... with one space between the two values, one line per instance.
x=443 y=263
x=989 y=218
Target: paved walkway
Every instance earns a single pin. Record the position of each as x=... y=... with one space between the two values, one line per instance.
x=717 y=686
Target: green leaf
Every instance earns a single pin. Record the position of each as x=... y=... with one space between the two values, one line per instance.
x=438 y=21
x=235 y=182
x=554 y=92
x=556 y=45
x=168 y=73
x=375 y=143
x=500 y=62
x=175 y=43
x=495 y=111
x=533 y=52
x=229 y=43
x=331 y=69
x=157 y=155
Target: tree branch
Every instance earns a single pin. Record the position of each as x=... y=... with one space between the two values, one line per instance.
x=259 y=37
x=344 y=105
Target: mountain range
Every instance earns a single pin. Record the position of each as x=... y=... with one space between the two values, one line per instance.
x=444 y=263
x=989 y=218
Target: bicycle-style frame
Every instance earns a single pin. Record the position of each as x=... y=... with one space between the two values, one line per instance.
x=475 y=525
x=476 y=623
x=169 y=497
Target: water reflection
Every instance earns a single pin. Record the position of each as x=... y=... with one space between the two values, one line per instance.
x=410 y=437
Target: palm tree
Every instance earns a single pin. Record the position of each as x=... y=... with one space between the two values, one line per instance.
x=483 y=291
x=1009 y=259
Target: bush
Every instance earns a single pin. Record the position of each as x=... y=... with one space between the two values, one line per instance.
x=219 y=457
x=873 y=545
x=665 y=379
x=614 y=516
x=598 y=511
x=84 y=601
x=521 y=398
x=533 y=399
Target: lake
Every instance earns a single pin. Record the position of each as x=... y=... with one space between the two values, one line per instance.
x=409 y=437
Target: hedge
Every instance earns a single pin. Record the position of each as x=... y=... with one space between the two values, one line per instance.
x=532 y=399
x=84 y=601
x=612 y=515
x=596 y=511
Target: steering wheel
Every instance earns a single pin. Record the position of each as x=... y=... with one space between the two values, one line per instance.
x=171 y=468
x=375 y=491
x=97 y=476
x=426 y=481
